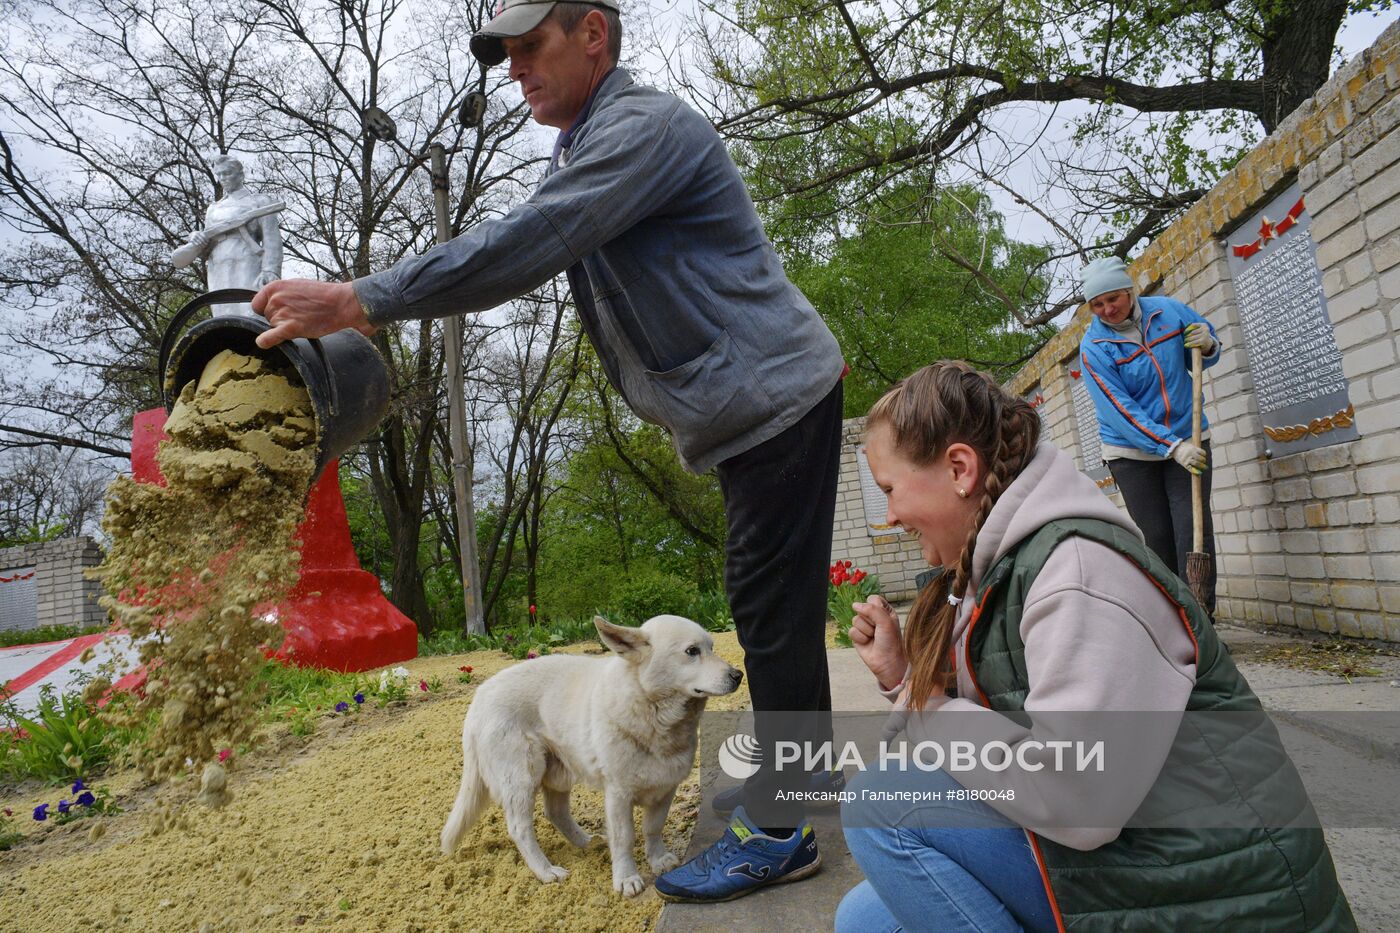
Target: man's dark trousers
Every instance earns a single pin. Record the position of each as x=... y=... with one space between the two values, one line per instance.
x=780 y=506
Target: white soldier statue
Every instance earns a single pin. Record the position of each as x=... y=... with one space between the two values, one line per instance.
x=241 y=236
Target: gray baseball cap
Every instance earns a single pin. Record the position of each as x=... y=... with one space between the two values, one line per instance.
x=515 y=18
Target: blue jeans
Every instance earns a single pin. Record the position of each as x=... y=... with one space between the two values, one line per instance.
x=938 y=865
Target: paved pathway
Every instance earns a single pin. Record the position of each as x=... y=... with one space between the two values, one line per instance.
x=1368 y=859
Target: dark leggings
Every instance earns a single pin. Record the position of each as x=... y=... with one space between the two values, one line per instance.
x=1158 y=496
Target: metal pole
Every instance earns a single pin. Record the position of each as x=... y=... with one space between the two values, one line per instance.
x=457 y=422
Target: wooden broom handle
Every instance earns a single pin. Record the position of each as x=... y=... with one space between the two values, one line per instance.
x=1197 y=512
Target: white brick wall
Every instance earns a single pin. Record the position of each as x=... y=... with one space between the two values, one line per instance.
x=65 y=595
x=1311 y=539
x=894 y=558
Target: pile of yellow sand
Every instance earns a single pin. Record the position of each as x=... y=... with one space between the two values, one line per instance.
x=339 y=831
x=190 y=561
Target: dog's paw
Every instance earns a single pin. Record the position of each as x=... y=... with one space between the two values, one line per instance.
x=660 y=864
x=630 y=886
x=552 y=874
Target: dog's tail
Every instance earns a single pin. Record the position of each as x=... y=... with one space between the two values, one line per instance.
x=471 y=798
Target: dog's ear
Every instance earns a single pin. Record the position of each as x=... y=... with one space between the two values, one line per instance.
x=619 y=639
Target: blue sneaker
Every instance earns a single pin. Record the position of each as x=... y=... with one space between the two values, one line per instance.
x=824 y=785
x=743 y=860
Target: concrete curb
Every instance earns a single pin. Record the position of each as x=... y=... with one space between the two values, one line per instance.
x=1365 y=745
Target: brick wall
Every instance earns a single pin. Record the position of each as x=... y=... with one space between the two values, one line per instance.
x=64 y=595
x=1309 y=539
x=893 y=556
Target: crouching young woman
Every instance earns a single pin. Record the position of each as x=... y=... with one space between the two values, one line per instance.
x=1050 y=604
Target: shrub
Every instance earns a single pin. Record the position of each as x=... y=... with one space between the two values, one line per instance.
x=653 y=594
x=711 y=610
x=452 y=641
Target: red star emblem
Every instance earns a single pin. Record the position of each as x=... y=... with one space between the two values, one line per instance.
x=1266 y=230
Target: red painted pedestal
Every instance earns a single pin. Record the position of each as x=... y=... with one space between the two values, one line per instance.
x=337 y=617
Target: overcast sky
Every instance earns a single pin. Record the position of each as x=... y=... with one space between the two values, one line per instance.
x=1357 y=33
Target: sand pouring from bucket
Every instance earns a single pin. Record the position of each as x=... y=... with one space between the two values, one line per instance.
x=342 y=372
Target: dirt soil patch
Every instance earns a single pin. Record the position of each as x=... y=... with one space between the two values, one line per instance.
x=338 y=830
x=1341 y=659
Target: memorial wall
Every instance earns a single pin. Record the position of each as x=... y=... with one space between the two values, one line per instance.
x=1295 y=259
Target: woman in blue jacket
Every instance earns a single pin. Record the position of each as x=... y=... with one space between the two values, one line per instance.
x=1137 y=365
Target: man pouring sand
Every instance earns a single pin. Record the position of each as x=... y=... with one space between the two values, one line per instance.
x=698 y=328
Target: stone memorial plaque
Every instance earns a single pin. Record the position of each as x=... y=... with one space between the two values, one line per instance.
x=19 y=602
x=1086 y=427
x=1293 y=356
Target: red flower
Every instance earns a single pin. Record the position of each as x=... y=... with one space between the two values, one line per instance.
x=1075 y=374
x=532 y=609
x=423 y=685
x=848 y=565
x=858 y=576
x=224 y=755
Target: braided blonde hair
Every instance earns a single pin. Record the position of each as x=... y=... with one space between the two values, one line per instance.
x=948 y=403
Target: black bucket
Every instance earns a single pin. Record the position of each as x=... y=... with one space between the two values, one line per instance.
x=342 y=372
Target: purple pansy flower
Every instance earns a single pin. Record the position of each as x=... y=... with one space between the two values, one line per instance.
x=79 y=785
x=86 y=799
x=64 y=806
x=41 y=812
x=342 y=706
x=359 y=698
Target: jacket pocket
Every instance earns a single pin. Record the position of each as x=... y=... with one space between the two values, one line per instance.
x=711 y=399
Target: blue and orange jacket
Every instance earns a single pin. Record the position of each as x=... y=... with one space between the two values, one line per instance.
x=1142 y=392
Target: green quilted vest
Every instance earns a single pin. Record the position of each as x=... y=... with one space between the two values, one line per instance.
x=1168 y=879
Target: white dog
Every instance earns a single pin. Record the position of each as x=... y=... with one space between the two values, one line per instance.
x=625 y=724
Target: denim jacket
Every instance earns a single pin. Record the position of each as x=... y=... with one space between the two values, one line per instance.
x=675 y=281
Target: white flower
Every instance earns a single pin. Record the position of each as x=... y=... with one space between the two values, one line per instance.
x=401 y=673
x=383 y=680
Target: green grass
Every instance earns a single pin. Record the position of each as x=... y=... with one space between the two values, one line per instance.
x=297 y=692
x=9 y=835
x=38 y=636
x=710 y=609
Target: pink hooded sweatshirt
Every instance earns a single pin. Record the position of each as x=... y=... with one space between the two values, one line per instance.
x=1099 y=636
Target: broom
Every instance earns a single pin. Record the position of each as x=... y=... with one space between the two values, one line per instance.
x=1200 y=567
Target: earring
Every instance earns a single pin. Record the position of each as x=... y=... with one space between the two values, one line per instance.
x=962 y=493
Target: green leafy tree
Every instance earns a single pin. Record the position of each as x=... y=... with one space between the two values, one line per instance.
x=623 y=510
x=108 y=114
x=832 y=102
x=934 y=278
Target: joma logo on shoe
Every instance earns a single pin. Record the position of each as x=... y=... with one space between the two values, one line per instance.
x=747 y=870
